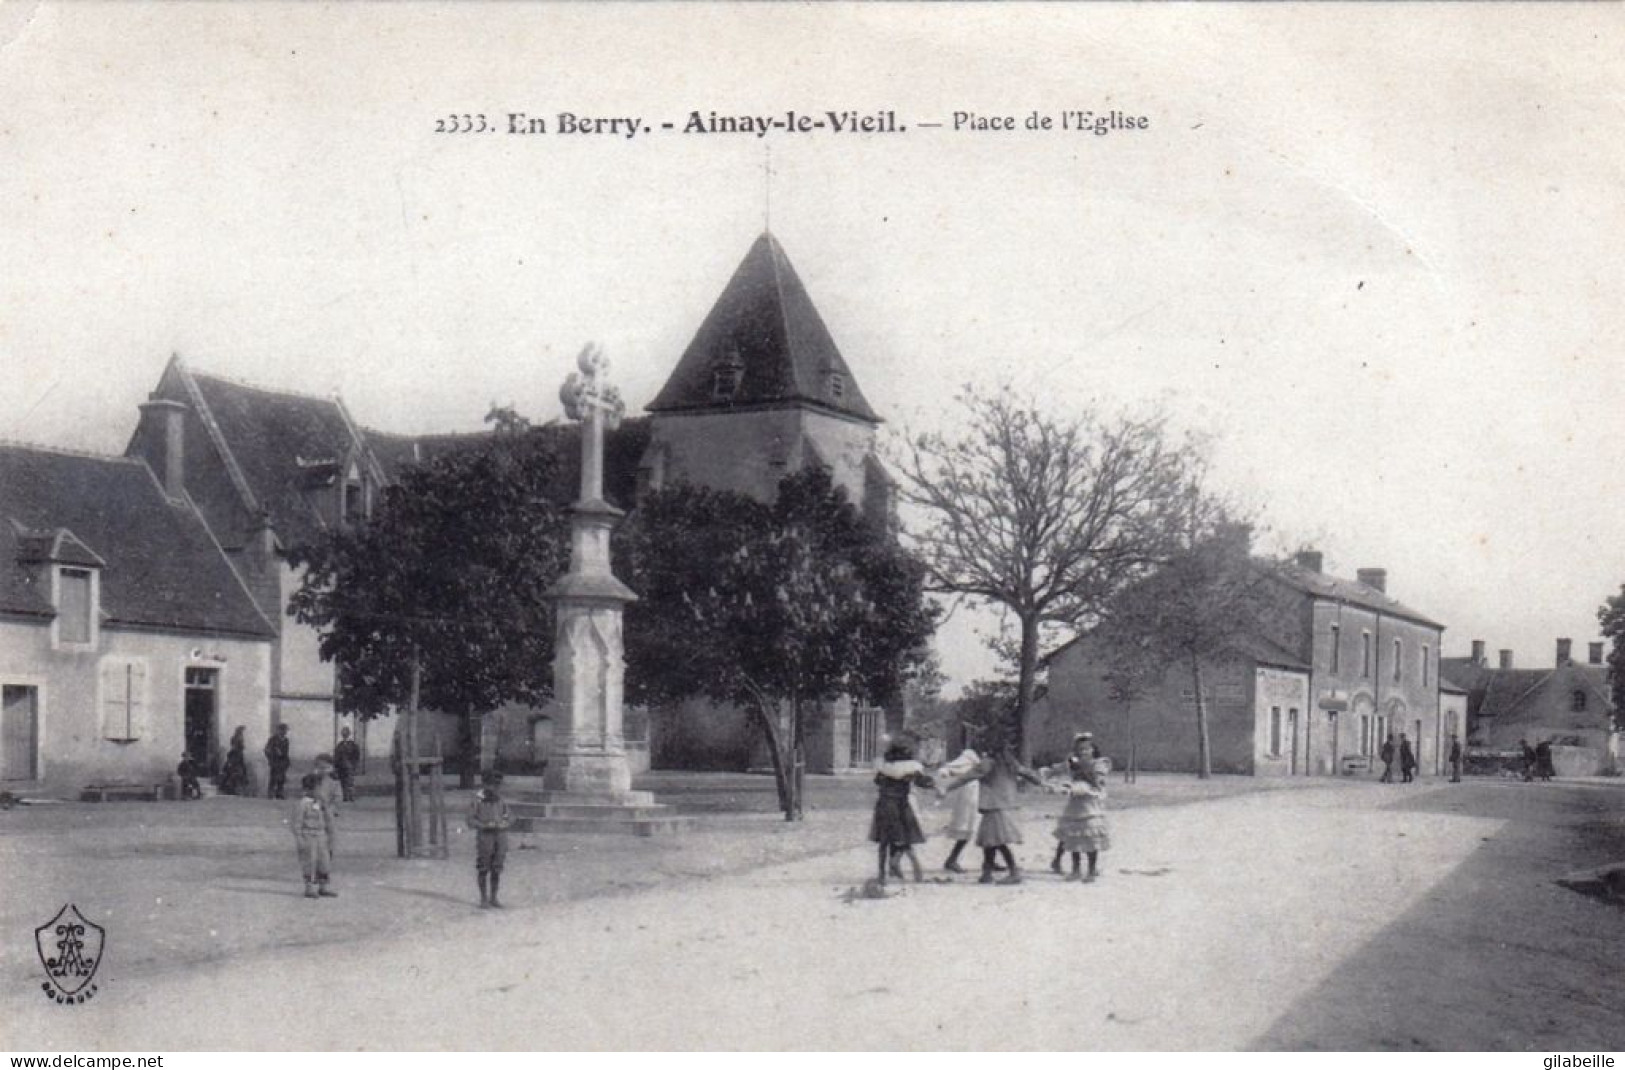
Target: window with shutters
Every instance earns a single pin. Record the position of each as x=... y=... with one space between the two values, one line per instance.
x=124 y=699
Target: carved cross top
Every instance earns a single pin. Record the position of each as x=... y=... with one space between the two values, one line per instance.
x=590 y=398
x=589 y=389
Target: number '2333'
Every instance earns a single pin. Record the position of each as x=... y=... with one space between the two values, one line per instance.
x=461 y=124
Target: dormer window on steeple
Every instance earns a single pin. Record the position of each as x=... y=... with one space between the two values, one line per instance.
x=837 y=386
x=726 y=376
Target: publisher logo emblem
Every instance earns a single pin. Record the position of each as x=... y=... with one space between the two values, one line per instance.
x=70 y=948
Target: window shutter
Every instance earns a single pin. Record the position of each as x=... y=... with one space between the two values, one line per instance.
x=124 y=700
x=139 y=706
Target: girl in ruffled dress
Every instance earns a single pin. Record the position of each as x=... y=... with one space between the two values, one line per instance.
x=1082 y=825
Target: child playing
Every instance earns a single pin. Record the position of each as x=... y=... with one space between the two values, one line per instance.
x=1083 y=747
x=962 y=821
x=313 y=833
x=895 y=827
x=999 y=776
x=1082 y=825
x=489 y=818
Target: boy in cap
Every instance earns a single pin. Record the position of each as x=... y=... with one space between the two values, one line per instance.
x=312 y=824
x=489 y=818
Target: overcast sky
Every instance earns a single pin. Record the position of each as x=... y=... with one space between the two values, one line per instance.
x=1377 y=250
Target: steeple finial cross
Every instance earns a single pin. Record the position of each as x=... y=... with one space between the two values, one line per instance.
x=767 y=188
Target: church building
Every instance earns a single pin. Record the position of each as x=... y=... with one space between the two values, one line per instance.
x=762 y=391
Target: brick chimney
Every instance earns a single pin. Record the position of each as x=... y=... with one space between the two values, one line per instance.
x=1373 y=577
x=1506 y=659
x=1596 y=654
x=163 y=435
x=1564 y=648
x=1478 y=651
x=1309 y=559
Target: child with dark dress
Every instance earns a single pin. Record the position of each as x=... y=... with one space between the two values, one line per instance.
x=895 y=828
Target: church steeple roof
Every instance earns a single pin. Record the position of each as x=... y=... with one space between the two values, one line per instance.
x=763 y=344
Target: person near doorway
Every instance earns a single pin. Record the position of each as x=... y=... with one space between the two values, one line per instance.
x=234 y=773
x=277 y=760
x=1407 y=759
x=187 y=772
x=1543 y=760
x=347 y=762
x=1387 y=756
x=1455 y=759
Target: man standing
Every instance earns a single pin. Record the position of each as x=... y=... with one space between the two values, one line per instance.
x=276 y=756
x=346 y=761
x=1455 y=759
x=1407 y=759
x=1387 y=756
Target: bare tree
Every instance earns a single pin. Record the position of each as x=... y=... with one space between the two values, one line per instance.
x=1042 y=516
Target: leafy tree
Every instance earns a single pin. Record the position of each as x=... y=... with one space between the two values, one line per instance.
x=452 y=572
x=1611 y=615
x=770 y=607
x=1195 y=608
x=1043 y=517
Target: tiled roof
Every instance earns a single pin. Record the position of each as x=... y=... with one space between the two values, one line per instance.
x=766 y=326
x=284 y=445
x=623 y=449
x=1509 y=691
x=1351 y=592
x=160 y=567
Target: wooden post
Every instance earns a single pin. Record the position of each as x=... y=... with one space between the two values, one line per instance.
x=414 y=827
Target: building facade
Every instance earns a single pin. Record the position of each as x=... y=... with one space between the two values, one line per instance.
x=1333 y=668
x=1568 y=705
x=126 y=637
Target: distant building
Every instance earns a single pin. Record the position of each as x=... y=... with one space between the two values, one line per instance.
x=1568 y=704
x=1337 y=665
x=126 y=636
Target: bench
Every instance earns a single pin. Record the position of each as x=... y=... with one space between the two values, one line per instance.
x=1356 y=763
x=97 y=793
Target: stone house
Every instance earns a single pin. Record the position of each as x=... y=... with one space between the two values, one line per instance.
x=126 y=636
x=267 y=470
x=1335 y=666
x=1569 y=704
x=1256 y=698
